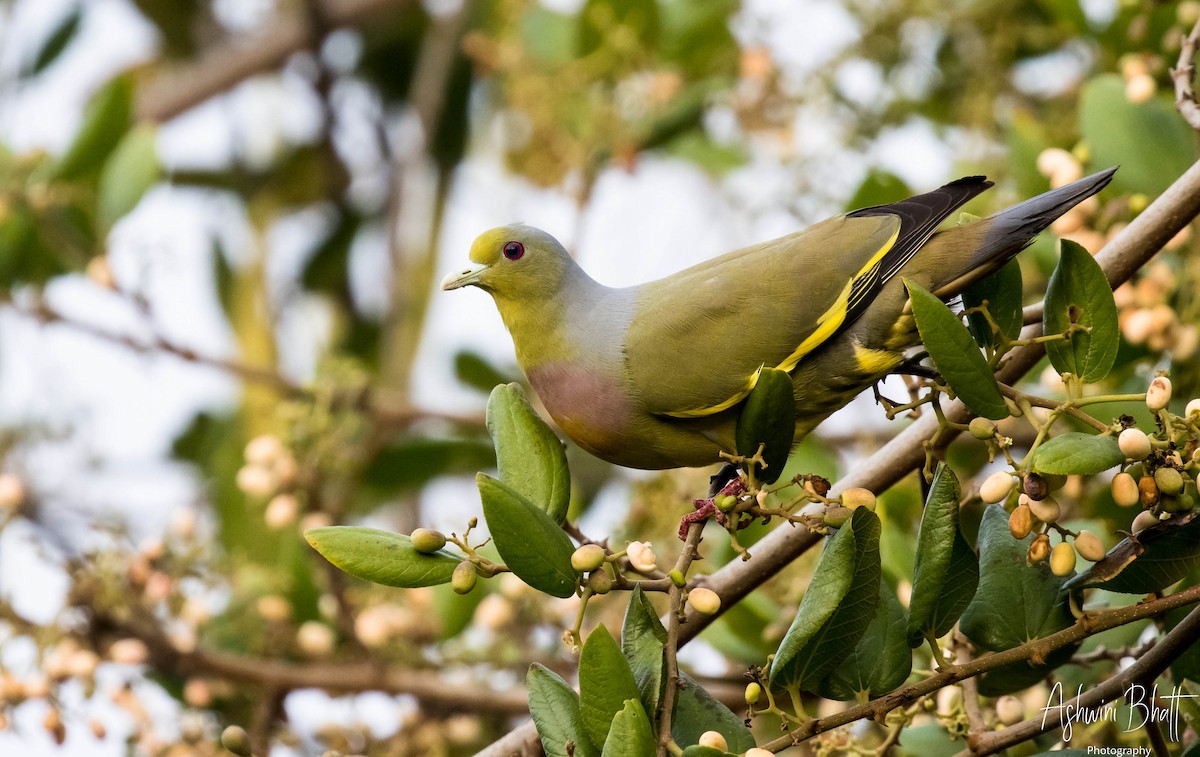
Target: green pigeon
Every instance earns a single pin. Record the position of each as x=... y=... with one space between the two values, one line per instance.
x=654 y=376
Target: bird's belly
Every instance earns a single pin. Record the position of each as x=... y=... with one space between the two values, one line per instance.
x=598 y=414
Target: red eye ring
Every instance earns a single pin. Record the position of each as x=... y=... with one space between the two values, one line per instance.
x=513 y=250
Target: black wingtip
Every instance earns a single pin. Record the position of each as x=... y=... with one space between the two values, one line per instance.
x=978 y=181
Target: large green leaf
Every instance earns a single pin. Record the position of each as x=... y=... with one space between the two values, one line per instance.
x=66 y=30
x=531 y=459
x=947 y=571
x=605 y=683
x=532 y=545
x=955 y=354
x=836 y=609
x=130 y=172
x=381 y=556
x=769 y=418
x=1116 y=132
x=1014 y=599
x=882 y=659
x=1079 y=293
x=554 y=707
x=1002 y=292
x=695 y=711
x=1150 y=560
x=642 y=640
x=631 y=734
x=1077 y=453
x=1018 y=676
x=107 y=118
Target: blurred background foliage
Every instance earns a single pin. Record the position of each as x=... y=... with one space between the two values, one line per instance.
x=407 y=97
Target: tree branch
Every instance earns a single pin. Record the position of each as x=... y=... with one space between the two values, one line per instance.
x=1183 y=75
x=1123 y=255
x=1146 y=669
x=230 y=63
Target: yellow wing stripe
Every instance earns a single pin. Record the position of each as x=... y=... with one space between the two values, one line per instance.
x=829 y=322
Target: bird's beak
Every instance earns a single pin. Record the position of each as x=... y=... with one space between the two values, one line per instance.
x=465 y=277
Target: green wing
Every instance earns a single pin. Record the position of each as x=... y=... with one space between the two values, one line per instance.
x=699 y=338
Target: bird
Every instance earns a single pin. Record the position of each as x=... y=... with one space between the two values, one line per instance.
x=655 y=376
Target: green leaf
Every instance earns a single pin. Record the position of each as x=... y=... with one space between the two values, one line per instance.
x=454 y=611
x=695 y=711
x=946 y=572
x=108 y=116
x=836 y=609
x=1077 y=453
x=1150 y=560
x=531 y=459
x=58 y=41
x=328 y=268
x=1079 y=292
x=695 y=750
x=381 y=556
x=554 y=707
x=412 y=462
x=769 y=418
x=631 y=734
x=605 y=683
x=1002 y=291
x=130 y=172
x=599 y=18
x=879 y=188
x=955 y=354
x=642 y=640
x=475 y=371
x=881 y=661
x=1115 y=131
x=1021 y=675
x=532 y=545
x=1014 y=600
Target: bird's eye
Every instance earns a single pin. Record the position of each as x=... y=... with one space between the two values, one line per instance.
x=513 y=250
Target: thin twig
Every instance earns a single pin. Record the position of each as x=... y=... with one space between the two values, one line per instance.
x=1147 y=668
x=970 y=687
x=1037 y=649
x=1183 y=74
x=671 y=648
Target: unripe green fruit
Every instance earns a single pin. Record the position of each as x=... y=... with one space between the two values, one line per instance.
x=725 y=502
x=1134 y=444
x=837 y=516
x=464 y=577
x=677 y=578
x=587 y=558
x=858 y=497
x=996 y=487
x=1035 y=487
x=1187 y=503
x=427 y=541
x=1039 y=550
x=1169 y=503
x=1145 y=519
x=1009 y=710
x=1168 y=480
x=1020 y=523
x=1047 y=510
x=1089 y=546
x=1062 y=559
x=1137 y=470
x=600 y=582
x=235 y=739
x=704 y=601
x=982 y=429
x=713 y=740
x=753 y=693
x=1125 y=490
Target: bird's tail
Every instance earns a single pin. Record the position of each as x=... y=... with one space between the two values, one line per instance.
x=1001 y=236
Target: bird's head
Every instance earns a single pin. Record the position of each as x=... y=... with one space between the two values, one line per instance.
x=514 y=262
